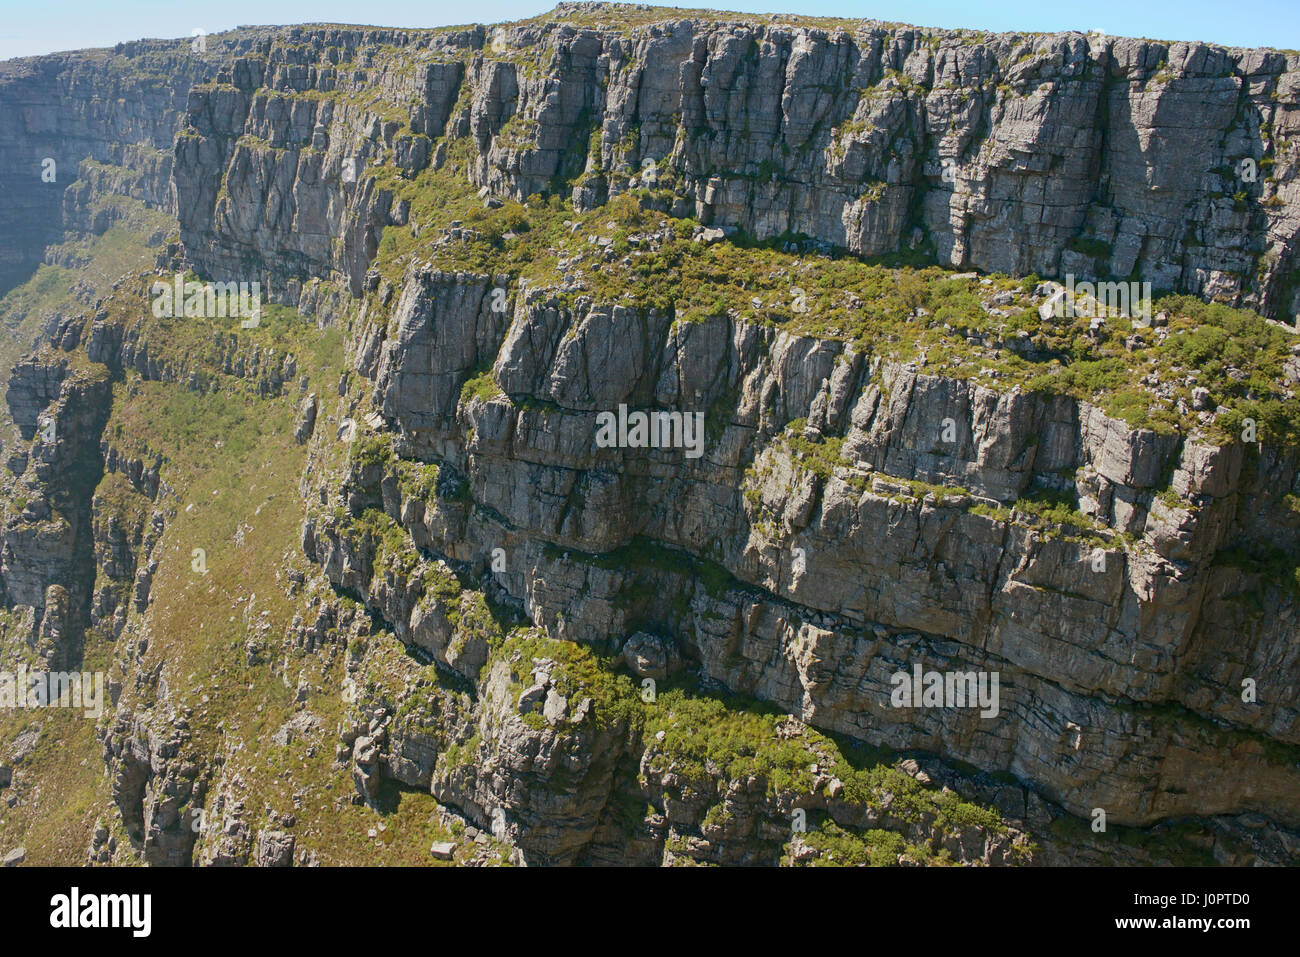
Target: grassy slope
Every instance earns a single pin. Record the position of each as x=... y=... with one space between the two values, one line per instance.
x=67 y=771
x=234 y=465
x=231 y=460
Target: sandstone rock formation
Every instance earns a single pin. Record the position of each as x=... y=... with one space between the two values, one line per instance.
x=541 y=632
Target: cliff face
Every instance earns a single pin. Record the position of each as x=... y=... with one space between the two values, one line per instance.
x=841 y=580
x=508 y=227
x=268 y=162
x=85 y=127
x=1004 y=151
x=1049 y=154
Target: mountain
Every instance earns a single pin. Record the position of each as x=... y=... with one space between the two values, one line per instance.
x=665 y=437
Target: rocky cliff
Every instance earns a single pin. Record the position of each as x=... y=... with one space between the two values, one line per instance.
x=821 y=243
x=1051 y=154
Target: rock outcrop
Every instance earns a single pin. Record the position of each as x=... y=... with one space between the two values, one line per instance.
x=550 y=635
x=1121 y=650
x=1054 y=154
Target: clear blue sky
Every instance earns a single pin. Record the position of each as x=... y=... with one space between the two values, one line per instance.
x=31 y=26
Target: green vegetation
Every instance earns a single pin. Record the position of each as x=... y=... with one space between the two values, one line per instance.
x=628 y=253
x=374 y=451
x=702 y=733
x=480 y=386
x=1090 y=247
x=647 y=556
x=1055 y=507
x=742 y=739
x=819 y=455
x=839 y=847
x=579 y=673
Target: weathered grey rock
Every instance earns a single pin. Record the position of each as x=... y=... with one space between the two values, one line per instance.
x=556 y=708
x=650 y=656
x=365 y=767
x=274 y=849
x=821 y=635
x=153 y=779
x=68 y=108
x=306 y=419
x=803 y=589
x=1015 y=148
x=552 y=823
